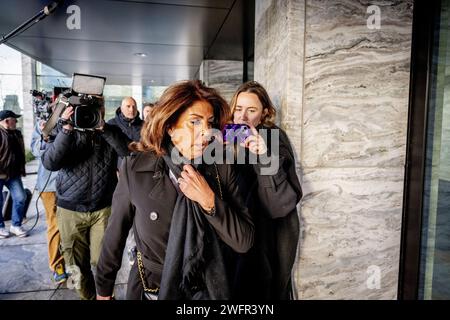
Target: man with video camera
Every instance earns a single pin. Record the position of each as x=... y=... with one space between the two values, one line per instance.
x=86 y=160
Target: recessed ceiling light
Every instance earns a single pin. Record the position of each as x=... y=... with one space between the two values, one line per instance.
x=140 y=54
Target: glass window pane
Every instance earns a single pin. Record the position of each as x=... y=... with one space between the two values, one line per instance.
x=11 y=86
x=47 y=83
x=435 y=250
x=10 y=61
x=44 y=70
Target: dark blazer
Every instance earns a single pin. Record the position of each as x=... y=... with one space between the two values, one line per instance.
x=144 y=199
x=265 y=271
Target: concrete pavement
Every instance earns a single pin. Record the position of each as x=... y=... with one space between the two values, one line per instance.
x=24 y=271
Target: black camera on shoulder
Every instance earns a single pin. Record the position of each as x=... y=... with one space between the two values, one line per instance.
x=86 y=97
x=87 y=111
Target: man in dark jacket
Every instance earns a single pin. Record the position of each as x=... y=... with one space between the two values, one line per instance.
x=12 y=168
x=127 y=119
x=85 y=184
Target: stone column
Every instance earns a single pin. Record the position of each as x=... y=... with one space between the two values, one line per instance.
x=136 y=93
x=223 y=75
x=28 y=83
x=342 y=95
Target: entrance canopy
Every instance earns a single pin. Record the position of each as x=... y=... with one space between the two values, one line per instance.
x=148 y=43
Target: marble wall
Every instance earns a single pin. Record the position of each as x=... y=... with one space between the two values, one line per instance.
x=223 y=75
x=28 y=83
x=279 y=60
x=342 y=96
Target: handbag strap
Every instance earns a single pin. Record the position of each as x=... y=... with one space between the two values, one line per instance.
x=141 y=274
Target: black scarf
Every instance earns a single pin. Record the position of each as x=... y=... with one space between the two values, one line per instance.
x=193 y=266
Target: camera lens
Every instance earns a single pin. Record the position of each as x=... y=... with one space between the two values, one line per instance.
x=86 y=117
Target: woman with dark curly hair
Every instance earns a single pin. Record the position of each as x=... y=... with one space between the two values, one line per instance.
x=184 y=213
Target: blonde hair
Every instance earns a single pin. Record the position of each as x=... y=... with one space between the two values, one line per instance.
x=254 y=87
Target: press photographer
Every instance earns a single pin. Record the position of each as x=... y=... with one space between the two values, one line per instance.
x=86 y=99
x=42 y=106
x=85 y=151
x=46 y=186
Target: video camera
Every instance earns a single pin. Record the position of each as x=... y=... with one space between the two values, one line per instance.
x=86 y=97
x=41 y=104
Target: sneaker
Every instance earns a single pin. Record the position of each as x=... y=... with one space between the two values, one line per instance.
x=4 y=233
x=59 y=275
x=18 y=231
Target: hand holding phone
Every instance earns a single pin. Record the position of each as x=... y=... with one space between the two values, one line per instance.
x=236 y=133
x=255 y=142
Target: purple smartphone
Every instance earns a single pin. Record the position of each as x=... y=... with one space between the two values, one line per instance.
x=236 y=132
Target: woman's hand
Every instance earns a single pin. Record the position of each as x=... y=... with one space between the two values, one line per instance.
x=255 y=143
x=104 y=297
x=195 y=187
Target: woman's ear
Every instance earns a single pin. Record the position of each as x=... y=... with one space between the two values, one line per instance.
x=170 y=132
x=263 y=115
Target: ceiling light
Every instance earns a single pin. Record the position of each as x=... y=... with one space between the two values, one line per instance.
x=140 y=54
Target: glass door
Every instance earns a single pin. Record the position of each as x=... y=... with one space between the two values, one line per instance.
x=434 y=270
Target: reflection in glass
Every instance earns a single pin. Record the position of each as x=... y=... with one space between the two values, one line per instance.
x=434 y=282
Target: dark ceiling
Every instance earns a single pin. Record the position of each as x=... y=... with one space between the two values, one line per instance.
x=176 y=35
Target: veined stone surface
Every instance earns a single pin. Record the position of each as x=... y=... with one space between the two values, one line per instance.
x=341 y=91
x=356 y=85
x=223 y=75
x=351 y=220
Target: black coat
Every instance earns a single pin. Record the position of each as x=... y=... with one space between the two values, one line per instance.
x=87 y=166
x=144 y=199
x=265 y=271
x=132 y=128
x=12 y=153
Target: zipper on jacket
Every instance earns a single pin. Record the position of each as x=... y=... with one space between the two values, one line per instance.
x=91 y=177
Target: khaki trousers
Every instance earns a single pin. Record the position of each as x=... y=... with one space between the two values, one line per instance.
x=81 y=241
x=53 y=239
